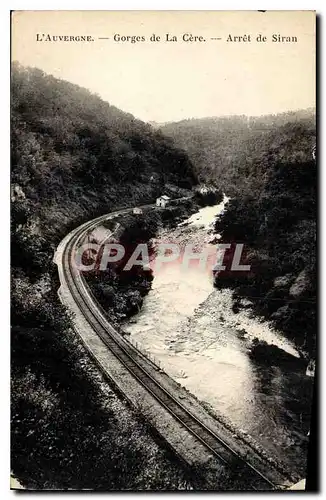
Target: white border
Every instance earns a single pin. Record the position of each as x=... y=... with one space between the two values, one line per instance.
x=165 y=5
x=5 y=7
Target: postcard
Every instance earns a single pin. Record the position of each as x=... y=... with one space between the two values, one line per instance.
x=163 y=250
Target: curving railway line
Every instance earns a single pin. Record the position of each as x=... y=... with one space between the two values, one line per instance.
x=128 y=355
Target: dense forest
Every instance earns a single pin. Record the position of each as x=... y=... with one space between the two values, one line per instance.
x=73 y=153
x=74 y=157
x=235 y=152
x=267 y=166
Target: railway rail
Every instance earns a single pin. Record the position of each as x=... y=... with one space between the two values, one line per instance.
x=127 y=355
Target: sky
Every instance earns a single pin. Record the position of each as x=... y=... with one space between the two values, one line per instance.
x=170 y=81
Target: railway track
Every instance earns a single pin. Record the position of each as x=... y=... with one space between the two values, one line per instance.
x=127 y=355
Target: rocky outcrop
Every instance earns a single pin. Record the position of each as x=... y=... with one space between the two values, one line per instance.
x=301 y=284
x=283 y=281
x=269 y=354
x=310 y=372
x=17 y=194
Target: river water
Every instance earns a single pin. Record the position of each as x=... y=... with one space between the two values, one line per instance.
x=191 y=329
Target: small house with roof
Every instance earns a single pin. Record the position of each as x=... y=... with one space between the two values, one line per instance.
x=162 y=201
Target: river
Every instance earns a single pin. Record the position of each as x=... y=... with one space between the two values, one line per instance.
x=189 y=326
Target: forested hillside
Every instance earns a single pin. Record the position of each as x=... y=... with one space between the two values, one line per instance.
x=235 y=152
x=267 y=165
x=278 y=229
x=72 y=152
x=74 y=156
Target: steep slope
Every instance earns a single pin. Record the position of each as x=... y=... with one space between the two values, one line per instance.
x=74 y=156
x=234 y=152
x=267 y=165
x=73 y=153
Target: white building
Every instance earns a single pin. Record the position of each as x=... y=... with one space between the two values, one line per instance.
x=162 y=201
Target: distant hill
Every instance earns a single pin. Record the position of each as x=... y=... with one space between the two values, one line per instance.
x=74 y=154
x=235 y=151
x=268 y=166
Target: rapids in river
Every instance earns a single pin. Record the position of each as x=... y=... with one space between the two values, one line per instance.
x=190 y=327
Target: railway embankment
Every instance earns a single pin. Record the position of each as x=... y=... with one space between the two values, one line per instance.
x=216 y=471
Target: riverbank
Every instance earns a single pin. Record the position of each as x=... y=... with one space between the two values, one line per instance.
x=192 y=329
x=121 y=293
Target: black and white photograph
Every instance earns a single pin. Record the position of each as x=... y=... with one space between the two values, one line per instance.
x=163 y=250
